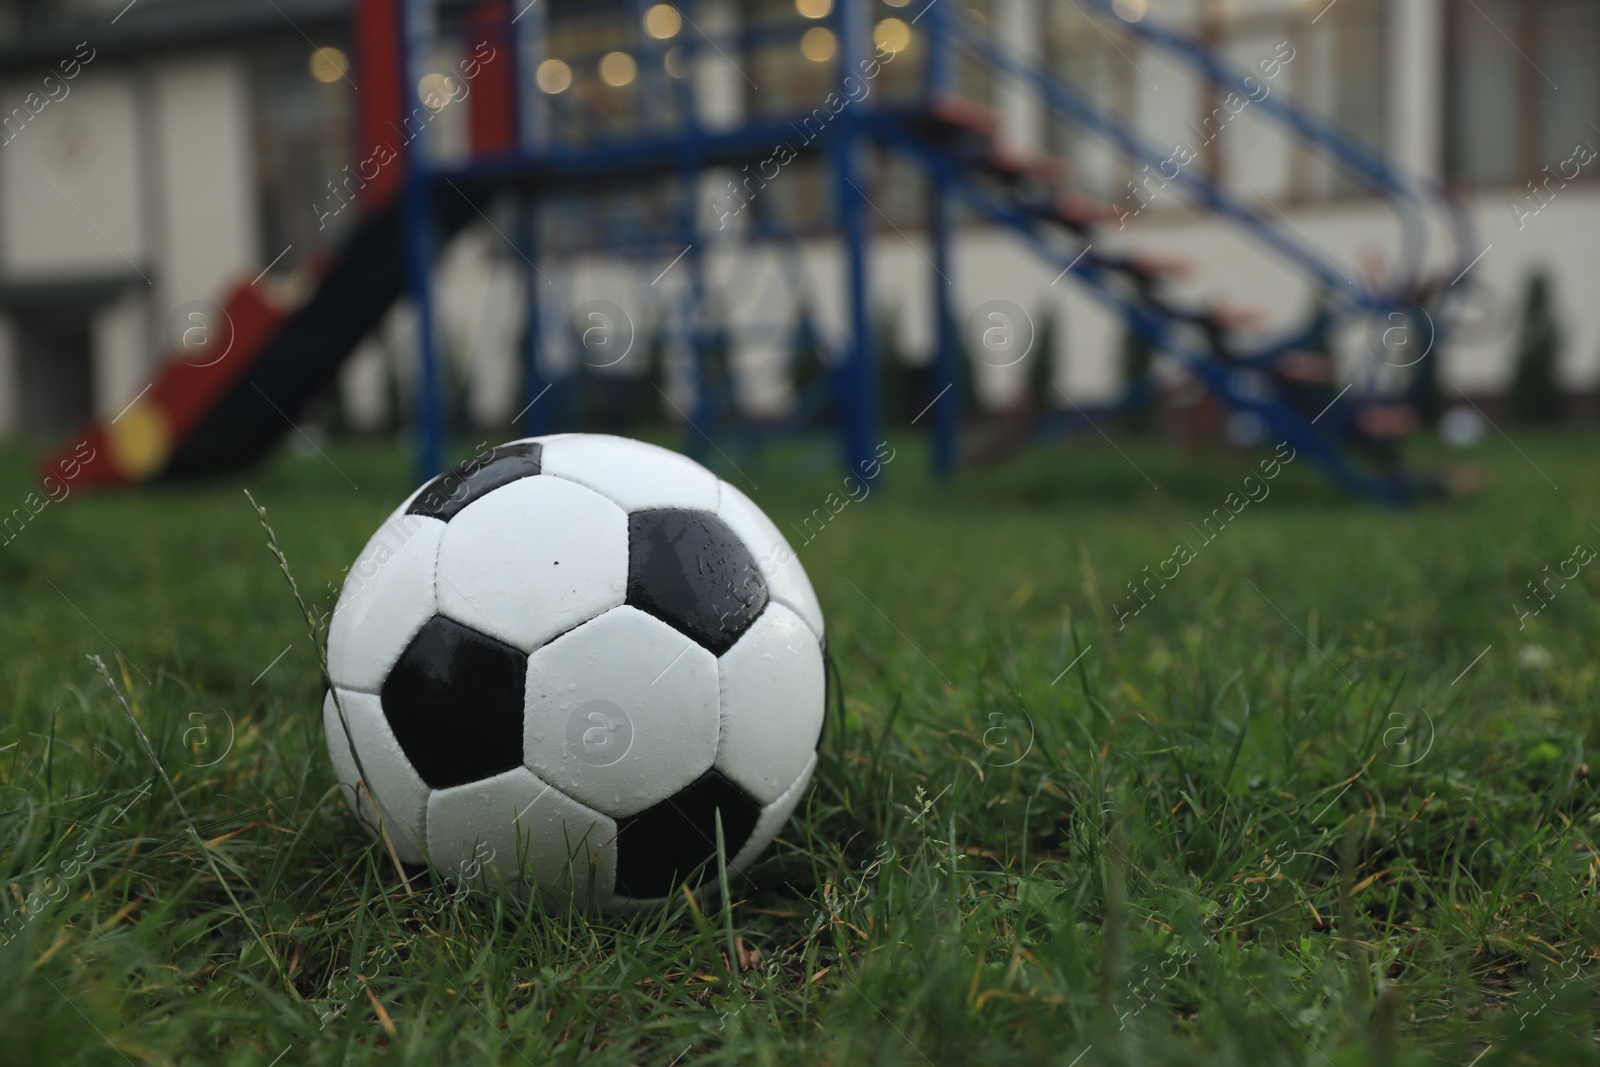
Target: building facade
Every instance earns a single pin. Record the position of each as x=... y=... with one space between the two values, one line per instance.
x=153 y=153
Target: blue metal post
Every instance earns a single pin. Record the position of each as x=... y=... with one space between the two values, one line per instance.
x=696 y=323
x=690 y=169
x=533 y=135
x=533 y=107
x=947 y=356
x=940 y=68
x=651 y=76
x=417 y=221
x=856 y=377
x=948 y=401
x=536 y=408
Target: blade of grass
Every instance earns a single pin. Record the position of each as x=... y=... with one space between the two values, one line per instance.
x=149 y=749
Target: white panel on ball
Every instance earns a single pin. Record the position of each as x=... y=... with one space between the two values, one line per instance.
x=621 y=712
x=387 y=596
x=401 y=795
x=634 y=474
x=773 y=817
x=532 y=560
x=500 y=822
x=772 y=703
x=786 y=579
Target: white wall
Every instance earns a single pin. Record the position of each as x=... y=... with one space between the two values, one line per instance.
x=1020 y=27
x=119 y=335
x=1561 y=239
x=364 y=385
x=719 y=86
x=1416 y=80
x=204 y=159
x=1227 y=267
x=756 y=291
x=70 y=183
x=143 y=172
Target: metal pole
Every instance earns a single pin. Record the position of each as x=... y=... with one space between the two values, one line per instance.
x=856 y=377
x=651 y=76
x=535 y=416
x=691 y=170
x=939 y=71
x=419 y=238
x=947 y=354
x=533 y=107
x=696 y=323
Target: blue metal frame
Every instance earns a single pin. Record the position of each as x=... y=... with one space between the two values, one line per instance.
x=1279 y=419
x=536 y=417
x=947 y=401
x=420 y=241
x=543 y=162
x=1406 y=191
x=857 y=376
x=1306 y=256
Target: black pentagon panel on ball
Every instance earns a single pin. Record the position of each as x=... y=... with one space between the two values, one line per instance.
x=454 y=702
x=445 y=496
x=663 y=845
x=691 y=571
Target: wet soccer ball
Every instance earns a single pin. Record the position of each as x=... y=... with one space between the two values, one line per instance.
x=575 y=665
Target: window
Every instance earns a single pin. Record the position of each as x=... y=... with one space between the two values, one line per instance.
x=1084 y=55
x=1484 y=86
x=1360 y=96
x=1339 y=70
x=1568 y=44
x=302 y=146
x=1331 y=59
x=1522 y=86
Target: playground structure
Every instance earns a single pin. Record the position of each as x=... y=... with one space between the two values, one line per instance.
x=533 y=153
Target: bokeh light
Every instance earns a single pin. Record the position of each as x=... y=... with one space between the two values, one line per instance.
x=663 y=21
x=329 y=64
x=892 y=35
x=617 y=69
x=818 y=44
x=435 y=90
x=553 y=76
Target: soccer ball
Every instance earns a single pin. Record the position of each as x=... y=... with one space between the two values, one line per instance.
x=567 y=664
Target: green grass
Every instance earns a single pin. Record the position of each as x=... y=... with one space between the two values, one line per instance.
x=1287 y=815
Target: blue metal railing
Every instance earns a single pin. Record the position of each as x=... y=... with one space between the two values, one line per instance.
x=1223 y=379
x=673 y=141
x=1229 y=374
x=1076 y=107
x=1407 y=192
